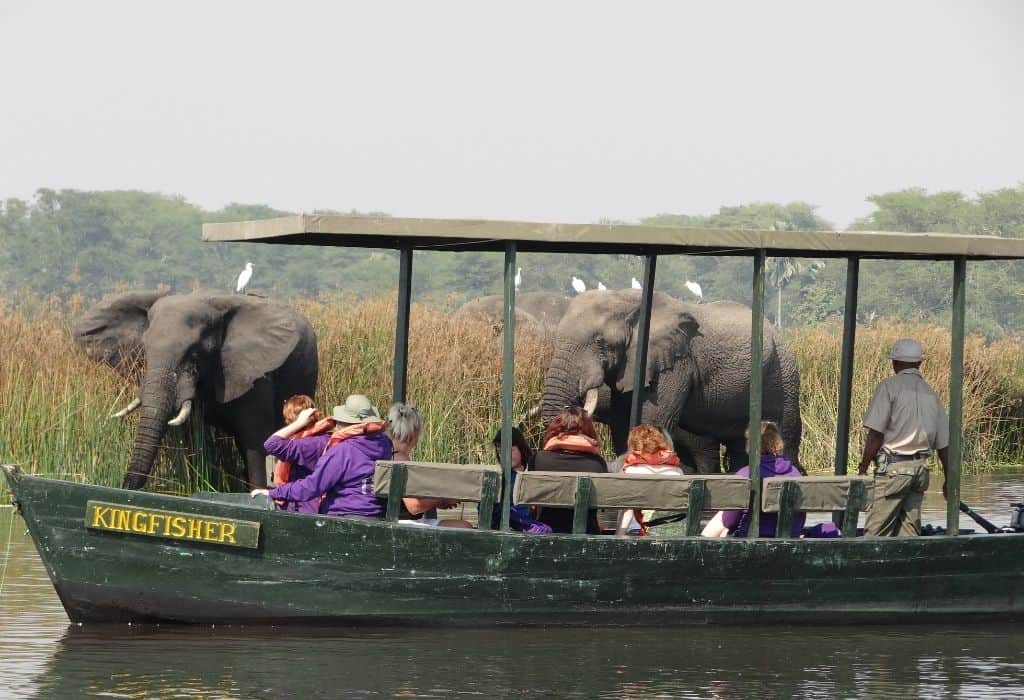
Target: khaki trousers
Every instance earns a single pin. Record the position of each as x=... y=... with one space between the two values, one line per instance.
x=896 y=501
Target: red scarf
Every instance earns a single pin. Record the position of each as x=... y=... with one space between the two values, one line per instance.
x=662 y=457
x=354 y=430
x=572 y=442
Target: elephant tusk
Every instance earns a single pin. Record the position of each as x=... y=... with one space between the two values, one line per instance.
x=186 y=408
x=127 y=409
x=591 y=401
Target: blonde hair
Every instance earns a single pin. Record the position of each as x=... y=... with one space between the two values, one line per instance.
x=646 y=439
x=294 y=405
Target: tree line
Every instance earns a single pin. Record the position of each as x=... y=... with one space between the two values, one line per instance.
x=82 y=244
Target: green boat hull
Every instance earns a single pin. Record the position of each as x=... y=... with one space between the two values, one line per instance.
x=321 y=570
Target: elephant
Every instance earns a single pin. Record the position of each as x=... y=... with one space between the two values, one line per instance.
x=542 y=308
x=238 y=356
x=697 y=383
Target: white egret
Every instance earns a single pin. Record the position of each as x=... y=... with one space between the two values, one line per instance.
x=578 y=285
x=243 y=279
x=636 y=284
x=695 y=289
x=519 y=277
x=601 y=287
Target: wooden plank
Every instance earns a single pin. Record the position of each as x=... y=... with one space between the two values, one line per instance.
x=854 y=505
x=956 y=398
x=695 y=507
x=756 y=388
x=787 y=507
x=489 y=495
x=642 y=337
x=581 y=508
x=508 y=370
x=396 y=491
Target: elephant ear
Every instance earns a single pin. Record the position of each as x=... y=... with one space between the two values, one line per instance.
x=258 y=338
x=111 y=331
x=672 y=329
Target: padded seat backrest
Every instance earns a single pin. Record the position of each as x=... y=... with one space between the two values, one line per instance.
x=786 y=495
x=480 y=483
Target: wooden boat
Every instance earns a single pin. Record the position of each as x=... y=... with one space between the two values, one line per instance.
x=117 y=555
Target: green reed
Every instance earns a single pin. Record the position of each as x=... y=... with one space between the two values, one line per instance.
x=55 y=403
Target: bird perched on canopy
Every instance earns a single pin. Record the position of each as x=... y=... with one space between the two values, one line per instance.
x=578 y=285
x=518 y=278
x=636 y=284
x=601 y=287
x=243 y=279
x=695 y=289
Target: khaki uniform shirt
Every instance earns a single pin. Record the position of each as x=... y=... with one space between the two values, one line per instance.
x=909 y=414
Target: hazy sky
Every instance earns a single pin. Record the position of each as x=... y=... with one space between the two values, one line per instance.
x=564 y=111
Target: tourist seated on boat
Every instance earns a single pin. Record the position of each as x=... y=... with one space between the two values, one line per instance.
x=570 y=445
x=405 y=425
x=285 y=471
x=344 y=460
x=649 y=453
x=520 y=518
x=773 y=463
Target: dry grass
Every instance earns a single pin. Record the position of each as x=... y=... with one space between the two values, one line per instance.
x=55 y=402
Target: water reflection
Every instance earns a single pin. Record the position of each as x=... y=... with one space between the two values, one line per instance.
x=45 y=657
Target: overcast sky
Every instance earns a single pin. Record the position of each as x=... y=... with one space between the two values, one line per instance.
x=557 y=111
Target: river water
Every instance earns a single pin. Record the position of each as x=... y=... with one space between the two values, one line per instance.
x=43 y=655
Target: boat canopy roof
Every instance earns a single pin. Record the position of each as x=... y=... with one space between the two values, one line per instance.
x=491 y=235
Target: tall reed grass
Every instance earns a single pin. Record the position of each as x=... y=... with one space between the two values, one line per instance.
x=55 y=403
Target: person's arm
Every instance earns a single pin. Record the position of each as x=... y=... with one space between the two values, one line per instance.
x=872 y=446
x=323 y=478
x=304 y=418
x=422 y=505
x=716 y=526
x=943 y=453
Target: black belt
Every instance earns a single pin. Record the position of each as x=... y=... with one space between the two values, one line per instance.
x=892 y=457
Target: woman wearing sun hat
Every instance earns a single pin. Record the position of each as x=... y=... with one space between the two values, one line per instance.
x=344 y=459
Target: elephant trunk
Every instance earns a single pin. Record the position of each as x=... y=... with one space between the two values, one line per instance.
x=159 y=402
x=562 y=386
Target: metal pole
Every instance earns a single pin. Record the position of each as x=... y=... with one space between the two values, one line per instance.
x=956 y=398
x=846 y=365
x=756 y=389
x=507 y=379
x=398 y=387
x=643 y=333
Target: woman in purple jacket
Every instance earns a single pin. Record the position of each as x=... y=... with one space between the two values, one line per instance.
x=344 y=460
x=772 y=464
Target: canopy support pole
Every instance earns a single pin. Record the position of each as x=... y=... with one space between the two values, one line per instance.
x=956 y=397
x=846 y=365
x=398 y=386
x=756 y=392
x=508 y=366
x=643 y=333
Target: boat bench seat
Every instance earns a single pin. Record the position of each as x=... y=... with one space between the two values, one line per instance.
x=786 y=495
x=583 y=491
x=480 y=483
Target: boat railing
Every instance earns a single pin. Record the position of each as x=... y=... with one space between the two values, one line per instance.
x=846 y=496
x=584 y=491
x=479 y=483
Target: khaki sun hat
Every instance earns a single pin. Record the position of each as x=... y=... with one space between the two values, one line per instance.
x=906 y=350
x=356 y=409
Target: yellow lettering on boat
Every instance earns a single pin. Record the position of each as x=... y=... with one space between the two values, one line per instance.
x=177 y=526
x=99 y=514
x=171 y=525
x=195 y=529
x=227 y=533
x=121 y=519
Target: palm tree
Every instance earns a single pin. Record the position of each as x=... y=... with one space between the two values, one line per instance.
x=782 y=271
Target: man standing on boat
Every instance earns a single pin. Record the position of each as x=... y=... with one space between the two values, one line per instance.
x=906 y=423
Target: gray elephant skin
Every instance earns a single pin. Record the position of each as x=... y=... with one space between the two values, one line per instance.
x=543 y=308
x=697 y=383
x=237 y=356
